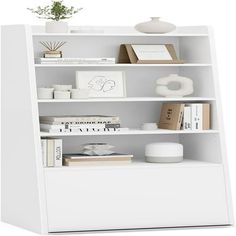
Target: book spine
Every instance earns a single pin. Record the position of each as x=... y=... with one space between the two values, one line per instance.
x=196 y=116
x=44 y=151
x=180 y=118
x=50 y=152
x=57 y=152
x=187 y=123
x=206 y=116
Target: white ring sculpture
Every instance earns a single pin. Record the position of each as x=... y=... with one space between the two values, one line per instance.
x=186 y=86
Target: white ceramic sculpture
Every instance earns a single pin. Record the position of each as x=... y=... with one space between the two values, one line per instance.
x=185 y=86
x=155 y=26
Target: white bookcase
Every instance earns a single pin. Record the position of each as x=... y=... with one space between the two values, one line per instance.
x=195 y=192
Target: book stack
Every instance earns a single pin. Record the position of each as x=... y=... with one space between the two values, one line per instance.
x=190 y=116
x=51 y=152
x=81 y=159
x=75 y=60
x=88 y=123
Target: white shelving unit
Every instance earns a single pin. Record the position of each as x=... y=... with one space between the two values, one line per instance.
x=140 y=195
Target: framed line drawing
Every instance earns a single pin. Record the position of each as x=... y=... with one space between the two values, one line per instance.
x=102 y=84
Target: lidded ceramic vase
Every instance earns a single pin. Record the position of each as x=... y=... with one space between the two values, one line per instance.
x=155 y=26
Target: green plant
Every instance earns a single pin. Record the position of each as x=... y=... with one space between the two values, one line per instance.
x=56 y=11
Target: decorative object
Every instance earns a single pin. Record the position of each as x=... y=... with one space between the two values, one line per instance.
x=61 y=94
x=148 y=54
x=102 y=84
x=164 y=152
x=185 y=86
x=52 y=47
x=45 y=93
x=56 y=12
x=149 y=126
x=62 y=87
x=155 y=26
x=97 y=149
x=79 y=93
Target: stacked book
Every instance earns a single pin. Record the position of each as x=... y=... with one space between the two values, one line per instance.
x=87 y=123
x=105 y=60
x=51 y=152
x=189 y=116
x=81 y=159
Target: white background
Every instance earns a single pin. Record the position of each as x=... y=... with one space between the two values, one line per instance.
x=220 y=14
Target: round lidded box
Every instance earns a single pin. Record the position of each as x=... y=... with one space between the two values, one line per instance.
x=164 y=152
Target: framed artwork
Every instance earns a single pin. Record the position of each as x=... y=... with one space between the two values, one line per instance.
x=102 y=84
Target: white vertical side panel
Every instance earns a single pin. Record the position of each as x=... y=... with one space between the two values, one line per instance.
x=22 y=174
x=221 y=125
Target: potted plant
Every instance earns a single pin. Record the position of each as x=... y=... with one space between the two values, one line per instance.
x=56 y=12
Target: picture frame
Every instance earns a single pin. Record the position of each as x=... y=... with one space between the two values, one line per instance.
x=102 y=84
x=148 y=54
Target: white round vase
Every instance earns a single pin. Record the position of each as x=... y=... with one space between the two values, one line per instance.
x=155 y=26
x=56 y=27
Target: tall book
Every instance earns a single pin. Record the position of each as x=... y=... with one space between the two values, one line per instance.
x=57 y=152
x=206 y=116
x=50 y=152
x=187 y=120
x=44 y=151
x=171 y=116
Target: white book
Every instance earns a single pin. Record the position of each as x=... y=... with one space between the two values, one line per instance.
x=75 y=60
x=187 y=121
x=44 y=151
x=196 y=116
x=84 y=130
x=57 y=152
x=89 y=119
x=78 y=126
x=50 y=152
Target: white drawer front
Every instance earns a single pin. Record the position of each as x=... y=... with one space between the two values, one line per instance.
x=122 y=198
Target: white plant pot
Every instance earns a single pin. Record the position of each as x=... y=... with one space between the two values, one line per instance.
x=56 y=27
x=155 y=26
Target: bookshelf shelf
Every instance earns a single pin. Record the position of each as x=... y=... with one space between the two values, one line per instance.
x=123 y=65
x=128 y=99
x=129 y=132
x=137 y=164
x=130 y=196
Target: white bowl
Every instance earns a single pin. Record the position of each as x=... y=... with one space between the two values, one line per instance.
x=62 y=87
x=79 y=93
x=45 y=93
x=61 y=94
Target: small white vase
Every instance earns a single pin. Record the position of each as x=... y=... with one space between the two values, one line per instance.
x=155 y=26
x=56 y=27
